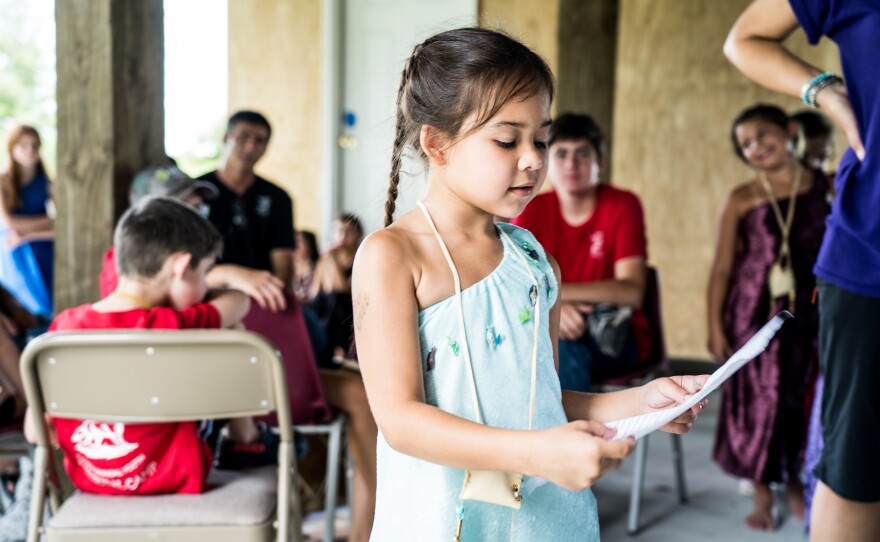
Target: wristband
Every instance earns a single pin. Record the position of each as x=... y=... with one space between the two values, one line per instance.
x=810 y=90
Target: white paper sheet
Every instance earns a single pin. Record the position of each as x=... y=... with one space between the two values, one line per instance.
x=639 y=426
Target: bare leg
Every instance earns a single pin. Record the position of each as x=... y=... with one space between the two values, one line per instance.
x=9 y=357
x=794 y=490
x=761 y=518
x=243 y=430
x=834 y=518
x=345 y=391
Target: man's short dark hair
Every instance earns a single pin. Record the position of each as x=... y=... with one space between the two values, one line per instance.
x=250 y=117
x=157 y=227
x=576 y=126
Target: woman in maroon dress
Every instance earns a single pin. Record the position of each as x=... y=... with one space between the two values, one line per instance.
x=769 y=236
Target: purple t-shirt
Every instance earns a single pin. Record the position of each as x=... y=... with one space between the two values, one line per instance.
x=850 y=254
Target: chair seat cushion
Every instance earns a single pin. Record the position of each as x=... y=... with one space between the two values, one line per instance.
x=235 y=498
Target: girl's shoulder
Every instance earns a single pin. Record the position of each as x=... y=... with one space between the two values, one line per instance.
x=745 y=196
x=390 y=253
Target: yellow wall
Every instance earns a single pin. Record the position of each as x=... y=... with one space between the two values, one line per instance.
x=535 y=24
x=275 y=67
x=676 y=96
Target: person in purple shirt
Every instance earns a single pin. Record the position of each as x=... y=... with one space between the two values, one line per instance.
x=847 y=501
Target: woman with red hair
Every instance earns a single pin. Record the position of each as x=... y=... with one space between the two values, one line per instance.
x=24 y=217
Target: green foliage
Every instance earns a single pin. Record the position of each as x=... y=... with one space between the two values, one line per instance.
x=205 y=155
x=27 y=70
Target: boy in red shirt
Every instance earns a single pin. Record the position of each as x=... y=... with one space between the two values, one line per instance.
x=164 y=249
x=596 y=232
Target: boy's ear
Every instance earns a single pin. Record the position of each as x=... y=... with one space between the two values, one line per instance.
x=180 y=263
x=434 y=144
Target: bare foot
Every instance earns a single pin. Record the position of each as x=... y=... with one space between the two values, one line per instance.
x=761 y=518
x=794 y=490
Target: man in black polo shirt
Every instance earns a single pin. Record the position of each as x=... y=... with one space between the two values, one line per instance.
x=254 y=216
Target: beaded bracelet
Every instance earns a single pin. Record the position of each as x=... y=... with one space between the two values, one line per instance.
x=810 y=90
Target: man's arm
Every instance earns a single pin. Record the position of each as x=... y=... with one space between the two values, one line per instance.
x=282 y=265
x=626 y=288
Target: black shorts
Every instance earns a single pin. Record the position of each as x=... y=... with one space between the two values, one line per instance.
x=849 y=356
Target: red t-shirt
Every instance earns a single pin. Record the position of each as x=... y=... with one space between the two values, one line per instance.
x=108 y=278
x=135 y=459
x=587 y=252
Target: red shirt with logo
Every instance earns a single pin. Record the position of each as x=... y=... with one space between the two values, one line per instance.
x=587 y=252
x=135 y=459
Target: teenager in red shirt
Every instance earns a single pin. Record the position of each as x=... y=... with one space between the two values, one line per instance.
x=597 y=234
x=164 y=249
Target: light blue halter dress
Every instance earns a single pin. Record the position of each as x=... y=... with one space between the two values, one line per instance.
x=416 y=499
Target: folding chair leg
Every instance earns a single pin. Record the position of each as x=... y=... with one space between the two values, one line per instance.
x=678 y=464
x=638 y=484
x=332 y=481
x=38 y=495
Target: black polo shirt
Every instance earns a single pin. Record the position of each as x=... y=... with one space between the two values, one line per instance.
x=252 y=224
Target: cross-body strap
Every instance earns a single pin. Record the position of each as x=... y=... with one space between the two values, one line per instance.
x=467 y=356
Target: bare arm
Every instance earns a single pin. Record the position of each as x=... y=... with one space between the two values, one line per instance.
x=658 y=394
x=719 y=278
x=24 y=225
x=232 y=305
x=282 y=265
x=386 y=330
x=555 y=313
x=626 y=288
x=266 y=289
x=329 y=276
x=755 y=46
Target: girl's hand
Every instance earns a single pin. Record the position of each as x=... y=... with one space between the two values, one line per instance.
x=718 y=345
x=663 y=393
x=577 y=454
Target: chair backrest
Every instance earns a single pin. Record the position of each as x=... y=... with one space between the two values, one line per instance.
x=287 y=330
x=153 y=376
x=653 y=312
x=657 y=363
x=133 y=376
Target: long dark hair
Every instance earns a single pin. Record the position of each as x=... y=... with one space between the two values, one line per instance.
x=454 y=75
x=10 y=182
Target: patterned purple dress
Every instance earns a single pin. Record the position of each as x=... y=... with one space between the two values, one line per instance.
x=762 y=424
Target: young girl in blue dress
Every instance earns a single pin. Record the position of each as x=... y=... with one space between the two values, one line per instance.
x=456 y=321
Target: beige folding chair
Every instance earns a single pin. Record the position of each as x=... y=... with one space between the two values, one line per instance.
x=169 y=376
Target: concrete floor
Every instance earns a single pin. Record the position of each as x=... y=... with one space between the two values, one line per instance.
x=714 y=512
x=715 y=509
